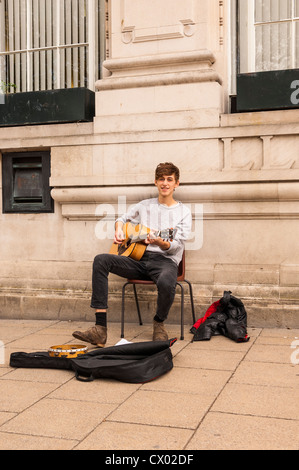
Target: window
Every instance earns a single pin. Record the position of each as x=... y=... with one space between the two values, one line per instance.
x=268 y=35
x=265 y=55
x=50 y=44
x=25 y=182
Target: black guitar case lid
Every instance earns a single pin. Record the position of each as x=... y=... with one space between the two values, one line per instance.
x=131 y=363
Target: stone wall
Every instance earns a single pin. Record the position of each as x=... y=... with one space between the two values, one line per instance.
x=163 y=98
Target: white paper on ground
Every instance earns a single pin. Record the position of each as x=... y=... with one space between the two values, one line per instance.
x=123 y=341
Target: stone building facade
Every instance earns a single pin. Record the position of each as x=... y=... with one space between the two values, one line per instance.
x=164 y=95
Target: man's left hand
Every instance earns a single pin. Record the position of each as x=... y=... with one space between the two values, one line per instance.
x=158 y=241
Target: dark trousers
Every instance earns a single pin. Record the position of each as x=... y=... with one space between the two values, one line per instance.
x=152 y=266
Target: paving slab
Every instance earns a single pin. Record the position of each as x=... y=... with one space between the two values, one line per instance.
x=100 y=391
x=219 y=394
x=162 y=409
x=9 y=441
x=6 y=416
x=206 y=383
x=220 y=343
x=269 y=353
x=124 y=436
x=4 y=371
x=39 y=342
x=191 y=357
x=16 y=396
x=63 y=419
x=263 y=373
x=39 y=375
x=222 y=431
x=279 y=332
x=275 y=402
x=12 y=333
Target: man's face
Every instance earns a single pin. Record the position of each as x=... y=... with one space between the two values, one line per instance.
x=166 y=185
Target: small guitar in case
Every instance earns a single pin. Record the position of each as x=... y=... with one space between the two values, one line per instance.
x=133 y=246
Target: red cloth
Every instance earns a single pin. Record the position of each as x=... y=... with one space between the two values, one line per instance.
x=212 y=309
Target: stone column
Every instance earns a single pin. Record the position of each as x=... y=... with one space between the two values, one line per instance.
x=161 y=71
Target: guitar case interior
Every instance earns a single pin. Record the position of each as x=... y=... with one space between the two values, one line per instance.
x=131 y=363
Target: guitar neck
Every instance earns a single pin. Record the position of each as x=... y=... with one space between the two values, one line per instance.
x=165 y=234
x=138 y=239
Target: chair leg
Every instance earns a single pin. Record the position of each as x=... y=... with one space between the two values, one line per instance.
x=182 y=310
x=122 y=335
x=192 y=301
x=137 y=305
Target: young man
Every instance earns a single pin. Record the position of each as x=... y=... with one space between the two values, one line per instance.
x=159 y=263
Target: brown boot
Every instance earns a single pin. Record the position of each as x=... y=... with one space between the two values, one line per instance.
x=159 y=334
x=96 y=335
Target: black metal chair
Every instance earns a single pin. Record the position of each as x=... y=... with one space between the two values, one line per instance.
x=180 y=280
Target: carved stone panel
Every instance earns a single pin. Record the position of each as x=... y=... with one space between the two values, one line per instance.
x=260 y=153
x=142 y=22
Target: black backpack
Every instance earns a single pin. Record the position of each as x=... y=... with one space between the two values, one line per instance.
x=131 y=363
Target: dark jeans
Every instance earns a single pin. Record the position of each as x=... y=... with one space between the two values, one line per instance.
x=163 y=271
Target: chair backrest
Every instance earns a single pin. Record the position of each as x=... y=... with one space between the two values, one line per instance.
x=181 y=269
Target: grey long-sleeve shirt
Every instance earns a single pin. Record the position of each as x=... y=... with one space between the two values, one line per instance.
x=157 y=217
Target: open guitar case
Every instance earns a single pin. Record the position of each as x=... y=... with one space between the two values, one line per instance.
x=131 y=363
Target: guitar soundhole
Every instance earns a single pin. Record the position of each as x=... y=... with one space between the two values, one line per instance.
x=124 y=246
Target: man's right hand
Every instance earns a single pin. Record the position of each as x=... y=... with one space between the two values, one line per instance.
x=118 y=236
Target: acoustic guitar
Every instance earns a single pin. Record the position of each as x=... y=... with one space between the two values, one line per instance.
x=133 y=245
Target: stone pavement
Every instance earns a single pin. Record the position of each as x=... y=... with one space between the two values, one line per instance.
x=219 y=395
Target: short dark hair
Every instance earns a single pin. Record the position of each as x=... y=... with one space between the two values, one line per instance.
x=167 y=169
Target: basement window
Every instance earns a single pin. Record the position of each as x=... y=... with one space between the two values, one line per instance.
x=25 y=183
